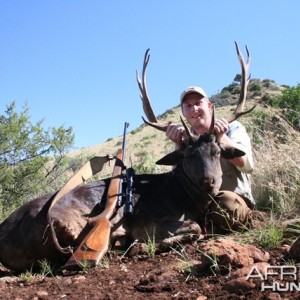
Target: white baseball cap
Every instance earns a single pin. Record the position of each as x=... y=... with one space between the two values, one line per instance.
x=192 y=89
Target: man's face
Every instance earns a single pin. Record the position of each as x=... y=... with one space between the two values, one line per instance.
x=197 y=111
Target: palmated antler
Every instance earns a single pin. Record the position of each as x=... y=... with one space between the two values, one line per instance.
x=239 y=111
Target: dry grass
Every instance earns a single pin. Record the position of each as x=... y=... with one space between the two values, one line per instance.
x=277 y=163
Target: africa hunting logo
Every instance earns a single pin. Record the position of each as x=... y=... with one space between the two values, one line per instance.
x=277 y=278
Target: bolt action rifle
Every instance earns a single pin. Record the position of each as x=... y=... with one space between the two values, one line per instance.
x=95 y=245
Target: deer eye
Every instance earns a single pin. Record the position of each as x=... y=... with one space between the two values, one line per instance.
x=216 y=151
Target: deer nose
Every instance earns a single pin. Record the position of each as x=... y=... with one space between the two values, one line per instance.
x=209 y=183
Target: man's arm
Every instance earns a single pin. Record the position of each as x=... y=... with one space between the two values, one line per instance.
x=235 y=136
x=239 y=162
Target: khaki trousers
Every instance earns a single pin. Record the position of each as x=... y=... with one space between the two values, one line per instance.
x=227 y=212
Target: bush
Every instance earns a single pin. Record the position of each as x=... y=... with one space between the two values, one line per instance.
x=146 y=165
x=32 y=159
x=289 y=102
x=233 y=88
x=255 y=87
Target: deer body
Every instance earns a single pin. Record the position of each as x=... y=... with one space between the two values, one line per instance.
x=164 y=204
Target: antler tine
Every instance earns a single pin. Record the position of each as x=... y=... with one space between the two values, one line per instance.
x=187 y=131
x=143 y=89
x=156 y=125
x=239 y=111
x=152 y=120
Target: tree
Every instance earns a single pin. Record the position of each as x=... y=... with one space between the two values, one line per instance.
x=237 y=78
x=289 y=102
x=32 y=160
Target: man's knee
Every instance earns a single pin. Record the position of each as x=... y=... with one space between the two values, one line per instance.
x=228 y=212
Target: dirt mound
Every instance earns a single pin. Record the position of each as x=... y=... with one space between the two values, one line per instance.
x=171 y=275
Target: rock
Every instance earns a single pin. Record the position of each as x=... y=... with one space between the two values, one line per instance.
x=42 y=295
x=257 y=254
x=79 y=279
x=243 y=272
x=9 y=279
x=67 y=281
x=273 y=296
x=2 y=284
x=239 y=284
x=228 y=253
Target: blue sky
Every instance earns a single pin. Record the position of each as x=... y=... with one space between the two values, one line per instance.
x=74 y=62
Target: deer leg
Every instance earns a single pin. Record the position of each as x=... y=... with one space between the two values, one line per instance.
x=164 y=236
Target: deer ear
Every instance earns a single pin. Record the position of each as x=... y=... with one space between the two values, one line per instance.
x=231 y=152
x=171 y=159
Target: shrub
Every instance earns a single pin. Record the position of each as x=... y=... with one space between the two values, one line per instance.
x=146 y=164
x=289 y=102
x=255 y=87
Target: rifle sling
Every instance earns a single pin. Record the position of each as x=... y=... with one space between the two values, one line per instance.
x=91 y=168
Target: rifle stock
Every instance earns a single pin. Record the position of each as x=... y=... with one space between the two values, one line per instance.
x=95 y=245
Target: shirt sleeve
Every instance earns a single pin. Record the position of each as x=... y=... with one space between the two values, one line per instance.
x=237 y=133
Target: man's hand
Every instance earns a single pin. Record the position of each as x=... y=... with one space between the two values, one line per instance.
x=175 y=133
x=221 y=127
